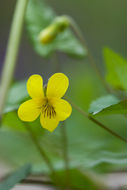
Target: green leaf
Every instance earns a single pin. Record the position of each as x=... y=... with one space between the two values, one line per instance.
x=16 y=95
x=116 y=69
x=11 y=121
x=18 y=148
x=119 y=107
x=102 y=103
x=10 y=108
x=39 y=16
x=16 y=177
x=78 y=180
x=17 y=92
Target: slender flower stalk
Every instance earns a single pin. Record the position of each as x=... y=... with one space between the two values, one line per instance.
x=98 y=123
x=63 y=135
x=65 y=153
x=43 y=155
x=12 y=51
x=40 y=149
x=10 y=64
x=90 y=57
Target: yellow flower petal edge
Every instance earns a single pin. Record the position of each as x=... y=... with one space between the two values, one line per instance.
x=49 y=123
x=57 y=85
x=51 y=108
x=28 y=111
x=63 y=108
x=35 y=86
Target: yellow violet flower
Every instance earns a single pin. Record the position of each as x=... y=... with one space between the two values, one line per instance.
x=49 y=105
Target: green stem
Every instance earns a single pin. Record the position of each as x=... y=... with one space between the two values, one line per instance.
x=90 y=57
x=65 y=153
x=98 y=123
x=40 y=149
x=43 y=155
x=12 y=50
x=63 y=134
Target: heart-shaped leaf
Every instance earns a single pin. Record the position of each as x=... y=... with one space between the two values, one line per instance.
x=116 y=69
x=15 y=177
x=100 y=104
x=39 y=16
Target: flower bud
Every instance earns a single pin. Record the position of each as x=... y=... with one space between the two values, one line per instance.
x=49 y=33
x=62 y=22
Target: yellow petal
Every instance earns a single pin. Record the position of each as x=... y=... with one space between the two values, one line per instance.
x=63 y=108
x=57 y=85
x=29 y=111
x=35 y=86
x=49 y=123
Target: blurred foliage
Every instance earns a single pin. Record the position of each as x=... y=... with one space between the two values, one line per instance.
x=117 y=77
x=116 y=69
x=89 y=146
x=10 y=120
x=15 y=177
x=77 y=179
x=113 y=106
x=39 y=16
x=101 y=103
x=14 y=101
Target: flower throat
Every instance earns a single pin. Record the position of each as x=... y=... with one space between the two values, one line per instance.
x=48 y=110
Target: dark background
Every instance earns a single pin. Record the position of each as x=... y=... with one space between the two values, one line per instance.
x=103 y=23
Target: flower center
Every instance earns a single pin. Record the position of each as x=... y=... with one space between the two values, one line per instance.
x=48 y=110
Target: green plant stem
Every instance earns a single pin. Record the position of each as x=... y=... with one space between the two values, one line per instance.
x=98 y=123
x=90 y=57
x=63 y=132
x=12 y=51
x=65 y=152
x=40 y=149
x=43 y=155
x=64 y=136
